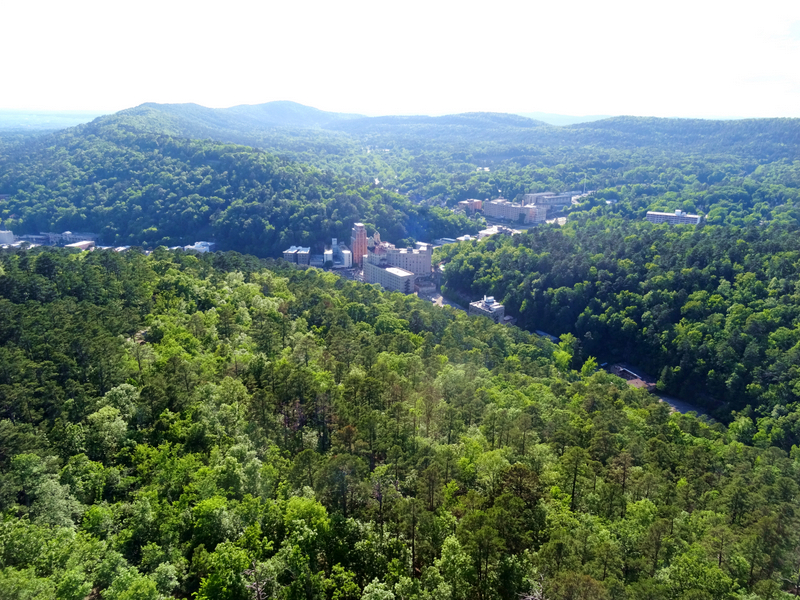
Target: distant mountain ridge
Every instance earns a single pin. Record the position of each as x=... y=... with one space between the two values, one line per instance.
x=271 y=114
x=296 y=129
x=256 y=124
x=261 y=125
x=561 y=120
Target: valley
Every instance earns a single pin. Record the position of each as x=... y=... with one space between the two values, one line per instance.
x=235 y=424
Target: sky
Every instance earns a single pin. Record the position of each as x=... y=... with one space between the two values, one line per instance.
x=698 y=58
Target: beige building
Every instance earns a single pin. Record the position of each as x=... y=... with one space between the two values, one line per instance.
x=511 y=211
x=396 y=268
x=677 y=218
x=418 y=260
x=394 y=279
x=471 y=205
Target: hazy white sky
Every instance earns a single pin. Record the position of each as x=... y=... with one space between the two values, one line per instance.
x=701 y=58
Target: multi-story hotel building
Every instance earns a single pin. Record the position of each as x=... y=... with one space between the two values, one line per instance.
x=418 y=260
x=471 y=205
x=396 y=268
x=511 y=211
x=677 y=218
x=390 y=278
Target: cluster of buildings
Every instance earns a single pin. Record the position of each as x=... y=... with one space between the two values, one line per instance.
x=300 y=255
x=67 y=239
x=397 y=269
x=55 y=239
x=489 y=231
x=531 y=210
x=81 y=241
x=677 y=218
x=336 y=256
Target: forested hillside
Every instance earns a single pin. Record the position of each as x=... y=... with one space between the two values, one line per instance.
x=714 y=310
x=211 y=425
x=765 y=138
x=260 y=125
x=249 y=118
x=139 y=187
x=134 y=178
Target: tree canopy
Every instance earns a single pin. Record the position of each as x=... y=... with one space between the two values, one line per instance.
x=220 y=426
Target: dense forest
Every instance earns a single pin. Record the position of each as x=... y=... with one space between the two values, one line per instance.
x=713 y=310
x=226 y=427
x=140 y=188
x=213 y=425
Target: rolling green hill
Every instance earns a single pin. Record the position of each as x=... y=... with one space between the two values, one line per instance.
x=191 y=120
x=267 y=124
x=125 y=179
x=142 y=177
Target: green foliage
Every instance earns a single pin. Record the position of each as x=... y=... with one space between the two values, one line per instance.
x=136 y=185
x=713 y=311
x=218 y=427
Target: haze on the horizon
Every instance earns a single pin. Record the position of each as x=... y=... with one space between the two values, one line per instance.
x=707 y=59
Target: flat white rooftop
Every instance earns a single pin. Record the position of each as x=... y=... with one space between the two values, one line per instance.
x=677 y=213
x=398 y=271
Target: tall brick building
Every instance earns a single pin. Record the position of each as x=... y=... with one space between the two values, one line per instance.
x=358 y=243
